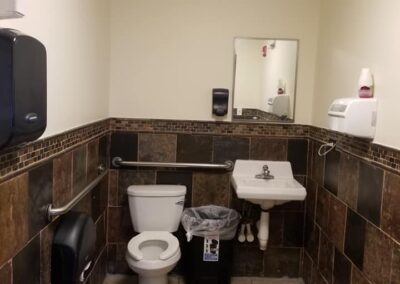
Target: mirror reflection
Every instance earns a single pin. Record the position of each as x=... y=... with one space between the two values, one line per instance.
x=265 y=79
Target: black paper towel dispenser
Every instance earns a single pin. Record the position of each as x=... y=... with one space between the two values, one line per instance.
x=23 y=88
x=73 y=248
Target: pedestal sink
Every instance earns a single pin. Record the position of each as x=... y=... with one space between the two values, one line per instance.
x=280 y=187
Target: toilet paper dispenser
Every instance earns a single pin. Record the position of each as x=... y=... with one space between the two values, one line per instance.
x=23 y=89
x=73 y=248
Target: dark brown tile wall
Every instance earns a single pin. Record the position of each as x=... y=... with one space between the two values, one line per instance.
x=53 y=177
x=340 y=203
x=205 y=187
x=353 y=237
x=351 y=212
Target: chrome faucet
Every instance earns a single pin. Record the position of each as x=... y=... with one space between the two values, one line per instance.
x=266 y=174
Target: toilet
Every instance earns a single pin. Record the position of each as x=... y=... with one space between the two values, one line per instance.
x=155 y=213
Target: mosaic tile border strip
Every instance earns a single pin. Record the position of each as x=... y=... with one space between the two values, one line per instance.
x=380 y=155
x=16 y=159
x=209 y=127
x=362 y=148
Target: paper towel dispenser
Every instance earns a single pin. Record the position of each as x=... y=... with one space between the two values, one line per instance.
x=354 y=116
x=23 y=88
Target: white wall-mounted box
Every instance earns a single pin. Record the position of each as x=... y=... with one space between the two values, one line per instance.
x=12 y=9
x=279 y=105
x=354 y=116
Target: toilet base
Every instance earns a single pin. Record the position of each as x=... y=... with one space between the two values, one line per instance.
x=153 y=279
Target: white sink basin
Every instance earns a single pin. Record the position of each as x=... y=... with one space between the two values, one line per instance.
x=266 y=192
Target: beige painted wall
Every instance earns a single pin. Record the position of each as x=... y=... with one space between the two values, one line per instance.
x=166 y=56
x=76 y=36
x=356 y=34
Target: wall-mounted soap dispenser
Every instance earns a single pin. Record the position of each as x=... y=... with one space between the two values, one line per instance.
x=23 y=88
x=220 y=99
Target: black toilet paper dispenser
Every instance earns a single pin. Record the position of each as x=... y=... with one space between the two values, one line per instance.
x=23 y=88
x=73 y=248
x=220 y=101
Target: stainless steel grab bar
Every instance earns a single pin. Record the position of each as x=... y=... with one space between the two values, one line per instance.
x=118 y=162
x=52 y=212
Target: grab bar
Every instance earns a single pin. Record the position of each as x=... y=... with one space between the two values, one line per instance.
x=118 y=162
x=52 y=212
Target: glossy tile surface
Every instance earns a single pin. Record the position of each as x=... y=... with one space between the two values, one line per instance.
x=133 y=177
x=79 y=157
x=157 y=147
x=348 y=180
x=341 y=269
x=230 y=148
x=331 y=171
x=337 y=222
x=211 y=188
x=40 y=184
x=370 y=193
x=377 y=255
x=297 y=155
x=268 y=149
x=62 y=179
x=13 y=216
x=194 y=149
x=26 y=267
x=124 y=145
x=355 y=238
x=391 y=205
x=326 y=257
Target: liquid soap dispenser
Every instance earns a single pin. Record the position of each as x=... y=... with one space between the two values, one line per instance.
x=220 y=102
x=366 y=84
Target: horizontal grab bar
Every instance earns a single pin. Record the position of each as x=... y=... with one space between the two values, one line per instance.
x=118 y=162
x=52 y=212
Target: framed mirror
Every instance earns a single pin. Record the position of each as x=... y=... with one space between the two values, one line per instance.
x=265 y=80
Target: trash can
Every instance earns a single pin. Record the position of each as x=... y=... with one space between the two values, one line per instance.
x=208 y=252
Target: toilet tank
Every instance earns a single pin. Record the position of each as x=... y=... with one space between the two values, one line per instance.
x=156 y=207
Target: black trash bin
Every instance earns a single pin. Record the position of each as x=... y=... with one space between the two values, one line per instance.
x=208 y=252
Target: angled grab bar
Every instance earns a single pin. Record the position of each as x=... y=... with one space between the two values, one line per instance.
x=118 y=162
x=52 y=212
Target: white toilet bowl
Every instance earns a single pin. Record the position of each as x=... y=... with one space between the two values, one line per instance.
x=152 y=255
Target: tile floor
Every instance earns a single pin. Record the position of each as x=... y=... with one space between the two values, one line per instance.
x=124 y=279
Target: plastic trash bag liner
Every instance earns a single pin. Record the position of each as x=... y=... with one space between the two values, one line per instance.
x=206 y=220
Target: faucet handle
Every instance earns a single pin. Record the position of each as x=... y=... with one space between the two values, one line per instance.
x=265 y=168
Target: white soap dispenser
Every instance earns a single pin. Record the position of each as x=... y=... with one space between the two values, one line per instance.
x=366 y=84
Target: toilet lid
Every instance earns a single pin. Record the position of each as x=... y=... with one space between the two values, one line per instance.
x=171 y=241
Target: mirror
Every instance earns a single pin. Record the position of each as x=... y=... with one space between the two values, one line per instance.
x=265 y=80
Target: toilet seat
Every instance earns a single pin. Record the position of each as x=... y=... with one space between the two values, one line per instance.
x=166 y=238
